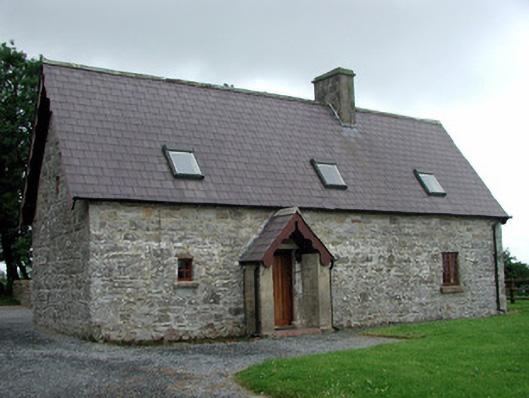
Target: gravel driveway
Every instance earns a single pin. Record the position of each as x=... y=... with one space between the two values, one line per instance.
x=34 y=363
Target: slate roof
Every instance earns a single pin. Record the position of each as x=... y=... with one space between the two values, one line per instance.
x=253 y=148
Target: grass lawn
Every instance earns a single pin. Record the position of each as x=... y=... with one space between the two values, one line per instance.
x=518 y=306
x=463 y=358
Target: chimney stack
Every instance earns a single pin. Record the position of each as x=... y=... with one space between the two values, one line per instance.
x=337 y=88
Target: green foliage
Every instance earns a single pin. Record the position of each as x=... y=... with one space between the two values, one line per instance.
x=514 y=269
x=18 y=94
x=462 y=358
x=8 y=300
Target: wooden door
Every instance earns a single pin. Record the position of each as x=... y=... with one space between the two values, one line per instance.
x=283 y=291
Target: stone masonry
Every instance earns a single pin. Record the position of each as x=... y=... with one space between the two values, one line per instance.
x=22 y=292
x=61 y=283
x=133 y=266
x=388 y=268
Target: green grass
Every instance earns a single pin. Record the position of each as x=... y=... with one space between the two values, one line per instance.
x=518 y=305
x=7 y=300
x=486 y=357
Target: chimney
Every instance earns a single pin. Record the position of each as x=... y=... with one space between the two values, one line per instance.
x=337 y=89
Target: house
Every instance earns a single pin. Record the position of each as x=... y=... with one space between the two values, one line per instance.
x=164 y=210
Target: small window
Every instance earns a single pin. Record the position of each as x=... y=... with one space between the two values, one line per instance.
x=430 y=183
x=182 y=162
x=185 y=269
x=329 y=174
x=450 y=269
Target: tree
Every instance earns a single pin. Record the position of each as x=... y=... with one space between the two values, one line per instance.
x=18 y=95
x=514 y=269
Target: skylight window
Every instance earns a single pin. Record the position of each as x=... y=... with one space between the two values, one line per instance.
x=329 y=174
x=430 y=183
x=182 y=162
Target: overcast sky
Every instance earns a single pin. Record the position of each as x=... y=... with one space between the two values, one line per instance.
x=465 y=63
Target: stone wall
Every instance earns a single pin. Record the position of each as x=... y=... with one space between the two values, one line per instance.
x=60 y=243
x=134 y=254
x=388 y=268
x=22 y=292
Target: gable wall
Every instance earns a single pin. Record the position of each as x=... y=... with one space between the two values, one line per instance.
x=60 y=287
x=388 y=268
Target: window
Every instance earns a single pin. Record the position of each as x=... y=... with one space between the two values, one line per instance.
x=329 y=174
x=450 y=269
x=182 y=162
x=430 y=183
x=185 y=269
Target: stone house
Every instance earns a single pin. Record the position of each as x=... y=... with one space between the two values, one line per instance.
x=167 y=209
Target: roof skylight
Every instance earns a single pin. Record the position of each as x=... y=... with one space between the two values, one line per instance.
x=430 y=183
x=182 y=162
x=329 y=174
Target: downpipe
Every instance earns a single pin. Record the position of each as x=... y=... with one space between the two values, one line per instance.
x=496 y=267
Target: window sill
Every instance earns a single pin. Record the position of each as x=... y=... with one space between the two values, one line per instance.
x=186 y=284
x=451 y=289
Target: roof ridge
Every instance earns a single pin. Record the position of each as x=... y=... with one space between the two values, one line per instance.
x=398 y=116
x=212 y=86
x=177 y=81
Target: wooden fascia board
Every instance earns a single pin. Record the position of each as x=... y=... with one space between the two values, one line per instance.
x=325 y=256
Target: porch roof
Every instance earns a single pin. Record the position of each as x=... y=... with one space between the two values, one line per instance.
x=284 y=224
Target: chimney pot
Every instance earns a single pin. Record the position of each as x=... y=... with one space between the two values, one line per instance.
x=337 y=89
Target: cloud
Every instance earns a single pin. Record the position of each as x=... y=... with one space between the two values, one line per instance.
x=464 y=62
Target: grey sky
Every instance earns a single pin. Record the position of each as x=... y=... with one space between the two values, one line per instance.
x=462 y=62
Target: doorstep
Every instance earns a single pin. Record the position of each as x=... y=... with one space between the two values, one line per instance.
x=288 y=332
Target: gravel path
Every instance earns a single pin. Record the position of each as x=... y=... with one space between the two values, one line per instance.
x=35 y=363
